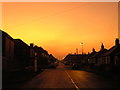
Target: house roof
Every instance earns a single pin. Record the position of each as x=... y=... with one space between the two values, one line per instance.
x=100 y=53
x=90 y=55
x=20 y=42
x=113 y=50
x=75 y=57
x=4 y=34
x=40 y=50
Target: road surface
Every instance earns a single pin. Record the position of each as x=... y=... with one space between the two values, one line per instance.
x=64 y=77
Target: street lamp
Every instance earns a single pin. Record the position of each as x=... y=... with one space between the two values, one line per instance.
x=82 y=47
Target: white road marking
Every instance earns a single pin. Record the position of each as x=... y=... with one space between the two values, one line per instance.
x=72 y=81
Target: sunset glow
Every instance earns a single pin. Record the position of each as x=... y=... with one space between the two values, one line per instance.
x=60 y=27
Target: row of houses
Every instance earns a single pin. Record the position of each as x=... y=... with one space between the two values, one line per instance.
x=74 y=58
x=104 y=56
x=109 y=58
x=17 y=55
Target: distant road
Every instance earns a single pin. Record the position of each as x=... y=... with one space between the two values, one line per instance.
x=64 y=77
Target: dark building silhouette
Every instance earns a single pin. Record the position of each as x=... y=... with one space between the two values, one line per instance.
x=44 y=59
x=117 y=58
x=22 y=53
x=21 y=60
x=7 y=52
x=84 y=59
x=7 y=57
x=75 y=58
x=32 y=54
x=41 y=57
x=89 y=57
x=52 y=59
x=97 y=58
x=112 y=56
x=102 y=61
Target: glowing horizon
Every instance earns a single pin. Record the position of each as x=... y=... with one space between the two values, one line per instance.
x=60 y=27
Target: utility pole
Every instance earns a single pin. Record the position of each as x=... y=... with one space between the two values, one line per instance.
x=76 y=50
x=82 y=47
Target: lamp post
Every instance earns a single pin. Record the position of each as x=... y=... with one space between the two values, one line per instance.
x=82 y=47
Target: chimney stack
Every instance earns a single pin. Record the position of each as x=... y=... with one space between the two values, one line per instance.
x=102 y=46
x=31 y=44
x=93 y=50
x=116 y=42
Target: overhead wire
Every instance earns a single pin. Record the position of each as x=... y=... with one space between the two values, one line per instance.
x=47 y=16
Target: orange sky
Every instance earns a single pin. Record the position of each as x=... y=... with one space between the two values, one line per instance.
x=59 y=27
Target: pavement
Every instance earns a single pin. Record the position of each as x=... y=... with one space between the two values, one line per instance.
x=64 y=77
x=17 y=78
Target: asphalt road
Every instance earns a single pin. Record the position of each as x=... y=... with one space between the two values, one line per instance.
x=64 y=77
